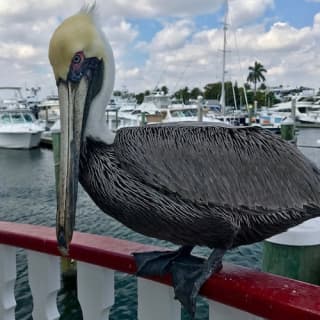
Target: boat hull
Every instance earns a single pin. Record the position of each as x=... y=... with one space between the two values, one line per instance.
x=20 y=140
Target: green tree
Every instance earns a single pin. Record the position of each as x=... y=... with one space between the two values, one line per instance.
x=195 y=92
x=262 y=86
x=117 y=93
x=256 y=74
x=140 y=97
x=164 y=89
x=183 y=94
x=247 y=86
x=212 y=90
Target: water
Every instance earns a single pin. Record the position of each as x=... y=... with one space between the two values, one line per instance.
x=27 y=193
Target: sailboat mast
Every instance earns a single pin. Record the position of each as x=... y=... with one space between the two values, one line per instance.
x=223 y=95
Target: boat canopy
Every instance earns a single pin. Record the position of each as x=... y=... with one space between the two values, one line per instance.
x=15 y=117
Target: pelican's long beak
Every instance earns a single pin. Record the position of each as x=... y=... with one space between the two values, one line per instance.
x=72 y=98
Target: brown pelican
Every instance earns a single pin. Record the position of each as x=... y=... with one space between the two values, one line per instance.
x=190 y=184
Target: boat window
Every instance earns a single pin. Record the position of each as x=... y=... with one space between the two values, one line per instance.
x=17 y=118
x=282 y=110
x=163 y=114
x=175 y=113
x=27 y=117
x=5 y=118
x=191 y=112
x=308 y=99
x=184 y=113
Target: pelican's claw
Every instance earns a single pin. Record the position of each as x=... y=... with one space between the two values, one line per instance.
x=189 y=273
x=188 y=278
x=157 y=263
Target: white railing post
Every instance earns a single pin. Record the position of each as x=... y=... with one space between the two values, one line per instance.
x=220 y=311
x=156 y=301
x=95 y=291
x=7 y=282
x=110 y=123
x=44 y=281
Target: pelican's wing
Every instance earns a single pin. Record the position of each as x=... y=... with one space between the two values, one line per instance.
x=218 y=165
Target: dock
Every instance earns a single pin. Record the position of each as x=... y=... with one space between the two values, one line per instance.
x=308 y=125
x=46 y=140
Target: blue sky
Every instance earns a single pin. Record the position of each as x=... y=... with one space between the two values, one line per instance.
x=295 y=14
x=299 y=13
x=173 y=43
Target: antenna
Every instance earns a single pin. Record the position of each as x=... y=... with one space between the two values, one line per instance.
x=224 y=50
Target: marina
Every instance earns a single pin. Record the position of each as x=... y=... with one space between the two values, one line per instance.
x=193 y=197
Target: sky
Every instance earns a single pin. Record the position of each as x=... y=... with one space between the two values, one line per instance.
x=175 y=43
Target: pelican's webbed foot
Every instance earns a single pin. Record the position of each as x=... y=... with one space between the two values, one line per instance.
x=157 y=263
x=189 y=273
x=189 y=278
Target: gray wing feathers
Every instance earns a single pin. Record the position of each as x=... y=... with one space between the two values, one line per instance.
x=231 y=167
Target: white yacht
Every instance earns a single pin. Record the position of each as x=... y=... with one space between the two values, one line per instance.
x=179 y=113
x=131 y=114
x=156 y=100
x=307 y=109
x=49 y=109
x=19 y=129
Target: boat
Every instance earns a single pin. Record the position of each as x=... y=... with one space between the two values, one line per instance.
x=12 y=98
x=217 y=109
x=19 y=129
x=123 y=113
x=152 y=104
x=123 y=101
x=156 y=100
x=309 y=114
x=159 y=108
x=307 y=109
x=49 y=109
x=179 y=113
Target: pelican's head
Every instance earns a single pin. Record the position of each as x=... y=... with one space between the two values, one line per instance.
x=83 y=66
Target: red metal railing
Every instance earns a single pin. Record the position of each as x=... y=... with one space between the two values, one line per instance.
x=259 y=293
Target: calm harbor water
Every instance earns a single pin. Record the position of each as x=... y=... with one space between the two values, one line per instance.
x=27 y=194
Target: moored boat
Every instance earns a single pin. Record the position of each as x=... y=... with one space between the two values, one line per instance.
x=19 y=129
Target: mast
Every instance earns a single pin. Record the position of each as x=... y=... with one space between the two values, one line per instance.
x=225 y=27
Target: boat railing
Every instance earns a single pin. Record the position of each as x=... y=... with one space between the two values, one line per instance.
x=234 y=293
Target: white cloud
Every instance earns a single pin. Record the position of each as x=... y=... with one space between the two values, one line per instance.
x=156 y=8
x=179 y=54
x=171 y=37
x=129 y=74
x=121 y=34
x=287 y=52
x=282 y=36
x=242 y=12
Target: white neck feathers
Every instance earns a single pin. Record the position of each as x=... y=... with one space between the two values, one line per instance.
x=96 y=126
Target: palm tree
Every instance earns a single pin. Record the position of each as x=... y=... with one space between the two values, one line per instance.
x=256 y=74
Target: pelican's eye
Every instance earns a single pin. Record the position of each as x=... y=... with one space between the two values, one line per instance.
x=81 y=66
x=77 y=58
x=77 y=67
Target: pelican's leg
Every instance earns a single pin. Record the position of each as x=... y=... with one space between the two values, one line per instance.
x=189 y=278
x=159 y=262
